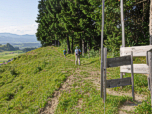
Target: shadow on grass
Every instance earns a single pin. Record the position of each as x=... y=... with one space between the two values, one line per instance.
x=90 y=62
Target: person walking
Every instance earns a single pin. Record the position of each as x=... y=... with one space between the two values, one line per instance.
x=64 y=52
x=77 y=55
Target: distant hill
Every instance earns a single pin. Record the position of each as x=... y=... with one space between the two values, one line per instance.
x=14 y=38
x=7 y=47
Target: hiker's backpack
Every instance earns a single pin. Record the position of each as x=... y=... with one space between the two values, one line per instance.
x=77 y=52
x=64 y=51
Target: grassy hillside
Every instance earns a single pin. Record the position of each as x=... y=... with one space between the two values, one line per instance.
x=28 y=83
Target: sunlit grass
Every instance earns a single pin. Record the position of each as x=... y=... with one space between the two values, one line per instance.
x=32 y=77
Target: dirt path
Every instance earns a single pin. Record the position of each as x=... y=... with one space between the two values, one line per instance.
x=52 y=104
x=95 y=78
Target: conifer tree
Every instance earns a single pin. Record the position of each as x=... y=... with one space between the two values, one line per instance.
x=40 y=19
x=76 y=20
x=79 y=22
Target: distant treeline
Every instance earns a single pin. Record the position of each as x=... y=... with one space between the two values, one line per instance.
x=26 y=45
x=28 y=49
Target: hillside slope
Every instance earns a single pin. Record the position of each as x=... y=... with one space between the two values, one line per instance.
x=36 y=79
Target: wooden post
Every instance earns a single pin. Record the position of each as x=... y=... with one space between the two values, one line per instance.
x=147 y=58
x=150 y=73
x=132 y=76
x=122 y=24
x=121 y=76
x=147 y=62
x=123 y=31
x=104 y=76
x=150 y=23
x=150 y=57
x=104 y=73
x=101 y=80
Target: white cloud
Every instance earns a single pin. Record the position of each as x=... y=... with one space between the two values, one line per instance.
x=20 y=30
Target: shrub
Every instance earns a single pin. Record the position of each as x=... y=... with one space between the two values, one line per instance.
x=92 y=53
x=13 y=72
x=2 y=83
x=9 y=96
x=38 y=69
x=2 y=70
x=15 y=58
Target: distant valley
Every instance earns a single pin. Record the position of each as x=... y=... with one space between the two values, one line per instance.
x=21 y=41
x=14 y=38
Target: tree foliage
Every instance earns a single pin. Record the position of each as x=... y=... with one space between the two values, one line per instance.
x=80 y=21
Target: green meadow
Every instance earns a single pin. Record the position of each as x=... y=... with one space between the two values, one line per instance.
x=29 y=81
x=5 y=55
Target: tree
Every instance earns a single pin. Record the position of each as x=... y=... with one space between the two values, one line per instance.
x=76 y=22
x=79 y=22
x=41 y=24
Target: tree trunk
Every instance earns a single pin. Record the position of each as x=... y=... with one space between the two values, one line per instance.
x=68 y=45
x=55 y=42
x=72 y=46
x=85 y=45
x=88 y=49
x=90 y=44
x=58 y=43
x=82 y=47
x=99 y=53
x=80 y=43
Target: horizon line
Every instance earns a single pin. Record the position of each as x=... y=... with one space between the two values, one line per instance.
x=15 y=33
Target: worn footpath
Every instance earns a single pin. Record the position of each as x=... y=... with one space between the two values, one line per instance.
x=94 y=77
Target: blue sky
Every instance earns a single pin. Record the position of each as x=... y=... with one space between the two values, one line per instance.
x=18 y=16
